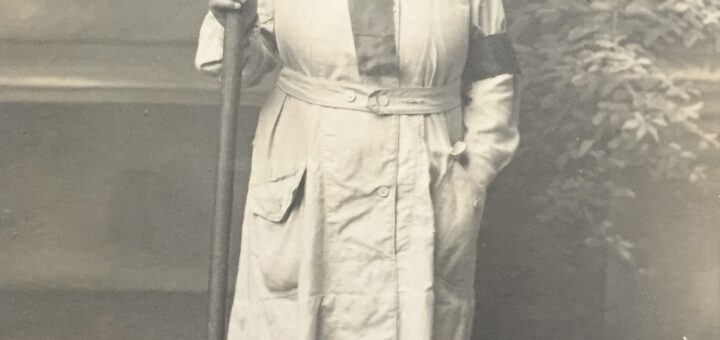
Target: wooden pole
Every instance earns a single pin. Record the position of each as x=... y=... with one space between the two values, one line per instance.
x=235 y=40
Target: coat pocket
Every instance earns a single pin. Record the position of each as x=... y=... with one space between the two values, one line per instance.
x=458 y=206
x=272 y=200
x=274 y=220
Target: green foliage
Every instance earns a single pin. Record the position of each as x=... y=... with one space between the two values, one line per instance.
x=604 y=109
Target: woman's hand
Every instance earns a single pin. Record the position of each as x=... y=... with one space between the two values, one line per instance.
x=221 y=7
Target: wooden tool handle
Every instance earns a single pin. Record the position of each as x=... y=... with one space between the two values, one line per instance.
x=237 y=25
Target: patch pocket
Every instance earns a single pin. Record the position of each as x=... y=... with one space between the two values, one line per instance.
x=275 y=221
x=273 y=199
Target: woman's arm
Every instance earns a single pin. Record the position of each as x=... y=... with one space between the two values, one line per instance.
x=489 y=114
x=261 y=52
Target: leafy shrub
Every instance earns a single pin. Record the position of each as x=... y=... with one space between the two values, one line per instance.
x=604 y=109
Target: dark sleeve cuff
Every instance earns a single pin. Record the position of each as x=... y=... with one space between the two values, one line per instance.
x=490 y=56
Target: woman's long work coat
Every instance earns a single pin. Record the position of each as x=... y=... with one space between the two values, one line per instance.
x=368 y=170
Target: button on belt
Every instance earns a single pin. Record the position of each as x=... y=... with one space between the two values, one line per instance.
x=383 y=100
x=350 y=96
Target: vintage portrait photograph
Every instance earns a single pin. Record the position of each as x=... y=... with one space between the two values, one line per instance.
x=360 y=170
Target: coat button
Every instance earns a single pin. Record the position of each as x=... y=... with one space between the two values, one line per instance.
x=383 y=191
x=350 y=96
x=384 y=100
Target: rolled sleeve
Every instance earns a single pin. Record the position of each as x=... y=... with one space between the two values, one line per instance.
x=490 y=112
x=260 y=55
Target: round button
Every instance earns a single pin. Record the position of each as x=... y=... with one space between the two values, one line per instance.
x=350 y=96
x=383 y=191
x=383 y=100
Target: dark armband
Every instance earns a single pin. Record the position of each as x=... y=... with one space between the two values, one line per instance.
x=490 y=56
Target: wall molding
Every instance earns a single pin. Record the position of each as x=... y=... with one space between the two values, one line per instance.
x=91 y=72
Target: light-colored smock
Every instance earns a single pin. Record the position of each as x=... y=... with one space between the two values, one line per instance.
x=362 y=216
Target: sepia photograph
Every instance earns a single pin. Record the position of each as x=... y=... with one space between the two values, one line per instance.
x=360 y=170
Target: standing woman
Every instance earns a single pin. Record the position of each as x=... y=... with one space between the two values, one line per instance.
x=370 y=163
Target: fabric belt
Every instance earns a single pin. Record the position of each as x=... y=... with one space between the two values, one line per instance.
x=383 y=101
